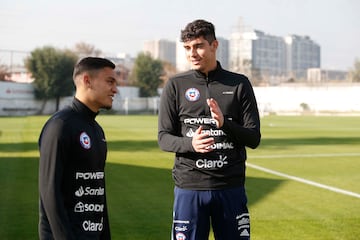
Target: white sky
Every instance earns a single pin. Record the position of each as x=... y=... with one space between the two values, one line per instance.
x=119 y=26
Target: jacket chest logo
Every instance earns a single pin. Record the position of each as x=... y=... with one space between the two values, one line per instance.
x=192 y=94
x=85 y=140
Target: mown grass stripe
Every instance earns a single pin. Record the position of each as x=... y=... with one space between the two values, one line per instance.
x=302 y=180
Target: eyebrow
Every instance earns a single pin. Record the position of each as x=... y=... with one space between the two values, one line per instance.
x=194 y=45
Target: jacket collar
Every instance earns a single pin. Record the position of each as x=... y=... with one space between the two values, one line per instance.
x=81 y=108
x=211 y=74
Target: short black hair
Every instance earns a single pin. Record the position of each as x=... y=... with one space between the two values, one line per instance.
x=198 y=28
x=90 y=64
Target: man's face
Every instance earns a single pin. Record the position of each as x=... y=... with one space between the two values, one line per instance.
x=103 y=88
x=201 y=54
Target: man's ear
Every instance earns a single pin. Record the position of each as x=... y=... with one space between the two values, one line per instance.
x=215 y=44
x=86 y=81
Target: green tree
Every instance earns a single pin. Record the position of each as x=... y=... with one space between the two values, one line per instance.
x=146 y=74
x=52 y=70
x=355 y=73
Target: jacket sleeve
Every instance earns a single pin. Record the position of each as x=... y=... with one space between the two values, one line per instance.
x=169 y=126
x=53 y=150
x=248 y=133
x=105 y=234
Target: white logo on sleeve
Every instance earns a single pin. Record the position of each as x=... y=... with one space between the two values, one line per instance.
x=88 y=207
x=89 y=191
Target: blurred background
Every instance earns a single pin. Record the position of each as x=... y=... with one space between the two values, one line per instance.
x=306 y=52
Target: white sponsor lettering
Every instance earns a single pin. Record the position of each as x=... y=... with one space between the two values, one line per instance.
x=210 y=132
x=205 y=163
x=199 y=121
x=243 y=221
x=181 y=229
x=215 y=133
x=181 y=221
x=222 y=145
x=89 y=175
x=81 y=207
x=90 y=226
x=89 y=191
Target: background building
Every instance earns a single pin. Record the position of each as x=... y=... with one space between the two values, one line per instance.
x=181 y=62
x=240 y=45
x=222 y=53
x=162 y=49
x=270 y=59
x=302 y=53
x=318 y=75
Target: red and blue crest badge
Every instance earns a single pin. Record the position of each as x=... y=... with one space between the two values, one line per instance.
x=85 y=140
x=192 y=94
x=180 y=236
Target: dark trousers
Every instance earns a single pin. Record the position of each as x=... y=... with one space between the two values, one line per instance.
x=226 y=211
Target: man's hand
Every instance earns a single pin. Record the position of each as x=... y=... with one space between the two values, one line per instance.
x=216 y=113
x=201 y=142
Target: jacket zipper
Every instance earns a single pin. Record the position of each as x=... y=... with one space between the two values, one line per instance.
x=207 y=111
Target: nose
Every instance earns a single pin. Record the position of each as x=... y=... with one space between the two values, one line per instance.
x=115 y=89
x=190 y=52
x=193 y=52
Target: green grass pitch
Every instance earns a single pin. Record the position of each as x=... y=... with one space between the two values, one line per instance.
x=323 y=150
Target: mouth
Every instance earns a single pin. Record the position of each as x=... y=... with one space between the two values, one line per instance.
x=196 y=62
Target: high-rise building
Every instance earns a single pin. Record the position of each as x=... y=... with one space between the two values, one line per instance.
x=302 y=54
x=240 y=48
x=269 y=52
x=161 y=49
x=181 y=62
x=265 y=57
x=222 y=53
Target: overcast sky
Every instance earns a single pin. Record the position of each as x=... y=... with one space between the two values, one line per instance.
x=119 y=26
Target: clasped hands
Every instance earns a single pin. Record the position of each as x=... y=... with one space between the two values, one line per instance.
x=201 y=142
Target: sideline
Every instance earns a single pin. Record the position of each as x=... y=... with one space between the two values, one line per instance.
x=302 y=180
x=309 y=155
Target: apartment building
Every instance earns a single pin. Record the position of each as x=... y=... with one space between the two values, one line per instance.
x=161 y=49
x=269 y=58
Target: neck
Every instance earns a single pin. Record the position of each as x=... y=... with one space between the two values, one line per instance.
x=211 y=67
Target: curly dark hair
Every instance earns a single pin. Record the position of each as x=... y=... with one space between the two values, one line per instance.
x=198 y=28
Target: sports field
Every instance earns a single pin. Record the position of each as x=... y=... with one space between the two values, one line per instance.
x=303 y=181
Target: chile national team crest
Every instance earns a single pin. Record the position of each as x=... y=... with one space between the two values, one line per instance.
x=85 y=140
x=192 y=94
x=180 y=236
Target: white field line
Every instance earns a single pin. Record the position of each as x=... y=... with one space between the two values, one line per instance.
x=302 y=180
x=309 y=155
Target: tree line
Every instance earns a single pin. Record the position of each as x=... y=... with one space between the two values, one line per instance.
x=52 y=69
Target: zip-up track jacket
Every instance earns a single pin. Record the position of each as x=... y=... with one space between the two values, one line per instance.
x=71 y=176
x=183 y=109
